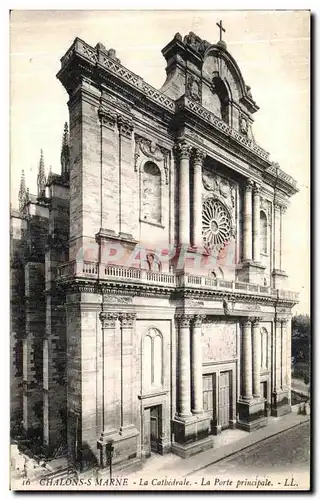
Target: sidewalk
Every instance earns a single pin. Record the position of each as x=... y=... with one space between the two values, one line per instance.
x=225 y=444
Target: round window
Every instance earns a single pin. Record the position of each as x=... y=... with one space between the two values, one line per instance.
x=216 y=225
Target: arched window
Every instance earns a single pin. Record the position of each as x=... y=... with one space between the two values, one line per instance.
x=151 y=193
x=152 y=359
x=221 y=91
x=263 y=233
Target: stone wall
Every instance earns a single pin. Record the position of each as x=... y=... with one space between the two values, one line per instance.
x=17 y=317
x=54 y=345
x=219 y=341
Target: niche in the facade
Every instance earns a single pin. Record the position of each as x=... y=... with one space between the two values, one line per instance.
x=152 y=359
x=151 y=193
x=221 y=91
x=263 y=233
x=264 y=348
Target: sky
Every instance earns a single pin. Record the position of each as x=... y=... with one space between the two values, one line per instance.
x=270 y=47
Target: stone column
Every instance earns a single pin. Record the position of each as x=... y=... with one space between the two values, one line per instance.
x=256 y=223
x=277 y=355
x=284 y=353
x=183 y=151
x=108 y=326
x=282 y=212
x=197 y=198
x=247 y=360
x=247 y=222
x=288 y=331
x=184 y=393
x=196 y=364
x=256 y=336
x=126 y=372
x=276 y=237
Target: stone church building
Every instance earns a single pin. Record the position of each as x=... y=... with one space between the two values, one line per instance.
x=149 y=300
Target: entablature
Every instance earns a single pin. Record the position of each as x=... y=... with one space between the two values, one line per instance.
x=100 y=66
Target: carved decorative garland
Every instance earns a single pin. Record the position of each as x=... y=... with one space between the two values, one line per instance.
x=151 y=150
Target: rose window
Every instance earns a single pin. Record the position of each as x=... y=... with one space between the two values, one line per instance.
x=216 y=225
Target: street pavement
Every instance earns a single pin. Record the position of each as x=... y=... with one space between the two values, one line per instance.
x=288 y=450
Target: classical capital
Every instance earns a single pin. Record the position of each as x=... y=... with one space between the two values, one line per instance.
x=246 y=323
x=256 y=189
x=183 y=320
x=197 y=320
x=248 y=185
x=256 y=321
x=283 y=209
x=127 y=319
x=125 y=126
x=285 y=321
x=108 y=320
x=198 y=156
x=107 y=119
x=182 y=150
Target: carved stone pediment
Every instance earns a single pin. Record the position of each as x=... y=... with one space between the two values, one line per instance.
x=150 y=149
x=220 y=186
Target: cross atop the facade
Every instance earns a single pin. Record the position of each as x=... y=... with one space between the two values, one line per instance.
x=221 y=28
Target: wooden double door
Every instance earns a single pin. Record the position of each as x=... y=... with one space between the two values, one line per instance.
x=264 y=394
x=217 y=398
x=152 y=429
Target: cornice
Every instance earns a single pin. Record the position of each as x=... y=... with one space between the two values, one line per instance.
x=78 y=285
x=82 y=60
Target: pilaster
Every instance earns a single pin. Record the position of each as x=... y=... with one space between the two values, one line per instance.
x=128 y=190
x=280 y=396
x=108 y=373
x=247 y=221
x=197 y=161
x=109 y=173
x=256 y=337
x=256 y=223
x=127 y=322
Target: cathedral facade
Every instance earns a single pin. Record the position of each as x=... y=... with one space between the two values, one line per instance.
x=149 y=300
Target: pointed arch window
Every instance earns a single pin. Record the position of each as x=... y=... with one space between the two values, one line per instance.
x=152 y=359
x=263 y=233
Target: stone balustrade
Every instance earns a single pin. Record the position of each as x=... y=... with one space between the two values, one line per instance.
x=87 y=269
